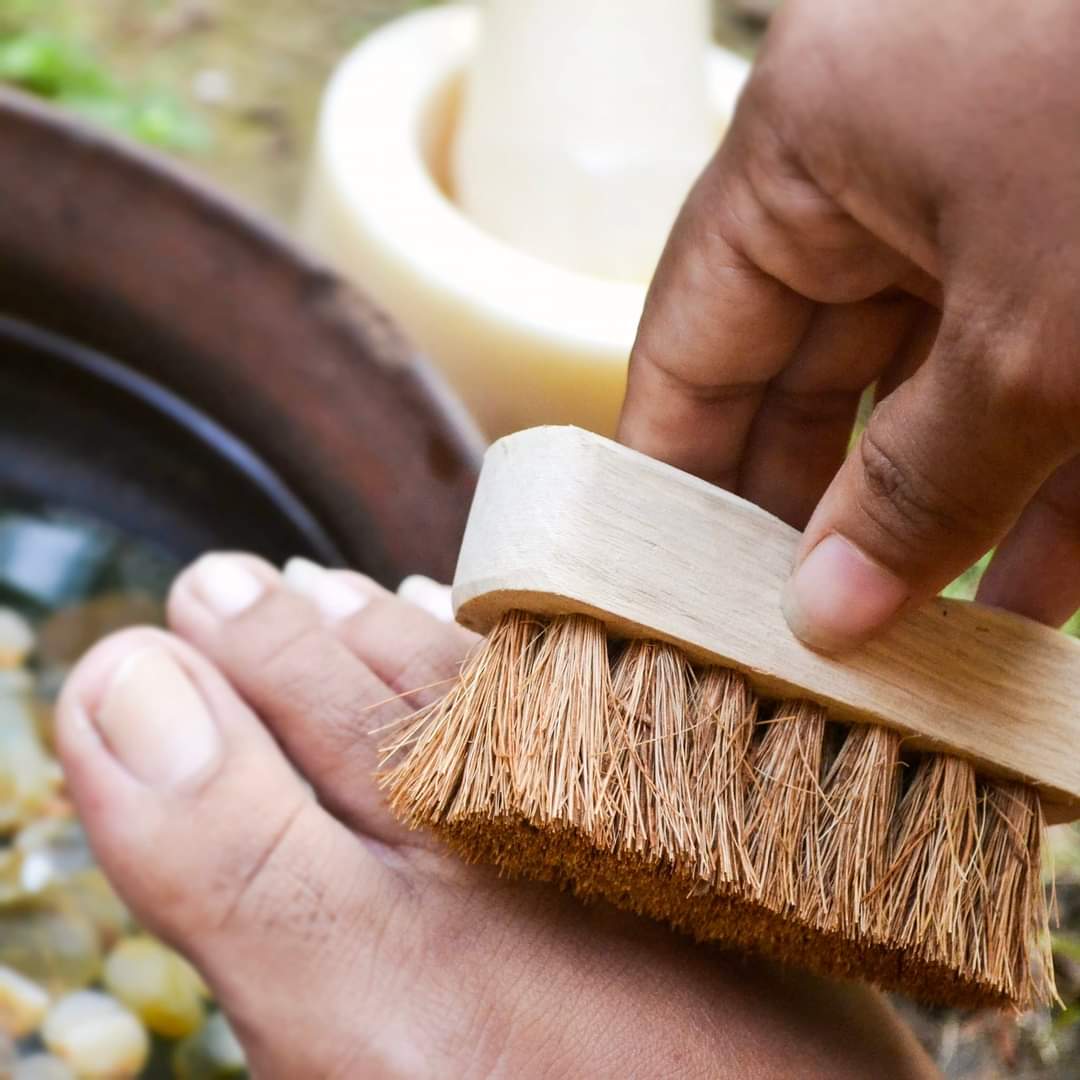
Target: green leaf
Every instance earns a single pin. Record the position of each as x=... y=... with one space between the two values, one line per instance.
x=163 y=121
x=51 y=66
x=61 y=70
x=155 y=118
x=963 y=588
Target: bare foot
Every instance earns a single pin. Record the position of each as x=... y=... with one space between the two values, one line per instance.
x=343 y=946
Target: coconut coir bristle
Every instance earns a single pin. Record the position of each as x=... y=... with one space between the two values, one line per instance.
x=669 y=789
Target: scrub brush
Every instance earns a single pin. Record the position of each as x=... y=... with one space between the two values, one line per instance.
x=641 y=726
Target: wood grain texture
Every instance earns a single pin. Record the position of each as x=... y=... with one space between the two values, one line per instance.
x=564 y=521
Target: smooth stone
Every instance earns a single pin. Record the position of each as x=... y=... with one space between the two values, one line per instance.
x=96 y=1036
x=157 y=984
x=42 y=1067
x=8 y=1054
x=56 y=948
x=212 y=1053
x=53 y=850
x=29 y=776
x=65 y=635
x=15 y=682
x=11 y=890
x=51 y=561
x=23 y=1003
x=137 y=567
x=16 y=639
x=89 y=895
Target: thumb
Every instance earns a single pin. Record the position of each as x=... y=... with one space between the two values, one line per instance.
x=944 y=467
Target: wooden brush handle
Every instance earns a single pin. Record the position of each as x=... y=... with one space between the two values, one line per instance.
x=566 y=521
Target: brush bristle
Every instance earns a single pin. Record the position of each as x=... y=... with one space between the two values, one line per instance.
x=724 y=715
x=785 y=803
x=851 y=840
x=669 y=790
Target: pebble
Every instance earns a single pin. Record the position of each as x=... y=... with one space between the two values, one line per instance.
x=56 y=948
x=8 y=1055
x=53 y=850
x=89 y=895
x=42 y=1067
x=11 y=889
x=15 y=683
x=158 y=985
x=96 y=1036
x=59 y=916
x=16 y=639
x=66 y=634
x=29 y=777
x=23 y=1003
x=49 y=561
x=212 y=1053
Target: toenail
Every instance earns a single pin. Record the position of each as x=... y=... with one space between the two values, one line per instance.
x=155 y=721
x=335 y=596
x=226 y=585
x=425 y=593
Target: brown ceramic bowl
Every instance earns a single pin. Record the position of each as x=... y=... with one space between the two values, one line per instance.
x=175 y=365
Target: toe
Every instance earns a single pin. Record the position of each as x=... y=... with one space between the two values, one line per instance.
x=212 y=838
x=409 y=641
x=328 y=659
x=429 y=595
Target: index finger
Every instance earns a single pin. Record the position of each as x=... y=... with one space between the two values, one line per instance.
x=715 y=329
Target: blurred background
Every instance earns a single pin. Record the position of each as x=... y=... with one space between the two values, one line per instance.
x=231 y=86
x=232 y=91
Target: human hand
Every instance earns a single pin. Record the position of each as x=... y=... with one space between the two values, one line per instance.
x=896 y=202
x=340 y=944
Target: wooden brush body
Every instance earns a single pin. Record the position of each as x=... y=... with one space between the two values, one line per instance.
x=642 y=726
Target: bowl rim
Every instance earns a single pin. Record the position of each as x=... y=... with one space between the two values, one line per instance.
x=115 y=247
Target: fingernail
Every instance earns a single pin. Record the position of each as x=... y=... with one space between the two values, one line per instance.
x=226 y=585
x=334 y=595
x=155 y=722
x=838 y=596
x=430 y=595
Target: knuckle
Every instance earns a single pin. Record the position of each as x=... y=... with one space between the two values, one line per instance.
x=1039 y=405
x=1017 y=370
x=900 y=499
x=248 y=877
x=1019 y=390
x=268 y=881
x=300 y=676
x=777 y=211
x=292 y=645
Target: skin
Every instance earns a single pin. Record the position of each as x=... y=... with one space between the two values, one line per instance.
x=895 y=203
x=343 y=946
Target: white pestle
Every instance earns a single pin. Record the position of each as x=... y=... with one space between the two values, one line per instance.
x=524 y=339
x=583 y=125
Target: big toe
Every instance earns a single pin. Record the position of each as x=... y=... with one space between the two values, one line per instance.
x=219 y=847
